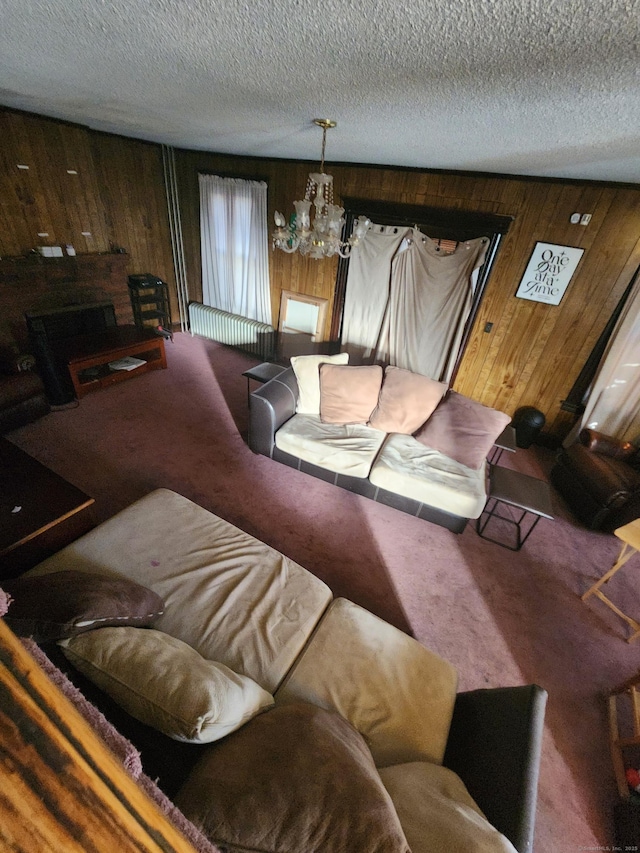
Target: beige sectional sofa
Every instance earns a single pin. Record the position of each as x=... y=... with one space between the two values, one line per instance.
x=449 y=771
x=425 y=455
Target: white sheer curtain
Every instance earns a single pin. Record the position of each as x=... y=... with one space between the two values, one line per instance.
x=407 y=302
x=613 y=406
x=235 y=246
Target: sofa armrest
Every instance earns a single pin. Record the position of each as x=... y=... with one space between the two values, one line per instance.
x=494 y=746
x=606 y=445
x=270 y=406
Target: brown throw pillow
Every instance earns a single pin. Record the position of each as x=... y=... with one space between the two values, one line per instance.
x=348 y=394
x=406 y=401
x=63 y=604
x=296 y=779
x=463 y=429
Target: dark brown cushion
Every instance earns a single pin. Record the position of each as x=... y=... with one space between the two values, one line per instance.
x=63 y=604
x=296 y=779
x=463 y=429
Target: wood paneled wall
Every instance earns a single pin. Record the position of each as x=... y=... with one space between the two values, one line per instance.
x=534 y=352
x=114 y=194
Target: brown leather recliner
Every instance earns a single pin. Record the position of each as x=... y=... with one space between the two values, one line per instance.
x=22 y=395
x=599 y=478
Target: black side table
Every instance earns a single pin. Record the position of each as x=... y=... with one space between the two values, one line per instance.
x=505 y=441
x=530 y=495
x=262 y=373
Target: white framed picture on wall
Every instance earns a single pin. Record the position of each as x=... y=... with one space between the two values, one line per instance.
x=548 y=273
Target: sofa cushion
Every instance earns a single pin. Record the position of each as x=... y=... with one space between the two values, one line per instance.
x=406 y=401
x=296 y=779
x=406 y=467
x=348 y=395
x=463 y=429
x=165 y=683
x=307 y=371
x=343 y=448
x=70 y=602
x=398 y=694
x=437 y=812
x=210 y=575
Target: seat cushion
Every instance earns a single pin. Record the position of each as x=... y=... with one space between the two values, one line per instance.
x=343 y=448
x=437 y=812
x=210 y=575
x=397 y=694
x=406 y=467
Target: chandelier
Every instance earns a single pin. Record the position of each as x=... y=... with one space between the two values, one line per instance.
x=322 y=237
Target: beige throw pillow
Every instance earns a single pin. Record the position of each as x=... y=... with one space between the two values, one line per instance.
x=166 y=684
x=348 y=395
x=406 y=401
x=306 y=369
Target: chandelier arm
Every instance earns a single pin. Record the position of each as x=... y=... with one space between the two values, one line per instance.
x=289 y=251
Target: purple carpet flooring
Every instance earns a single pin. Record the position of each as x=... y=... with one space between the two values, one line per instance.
x=501 y=617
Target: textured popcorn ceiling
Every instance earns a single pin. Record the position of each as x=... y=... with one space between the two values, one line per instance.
x=532 y=87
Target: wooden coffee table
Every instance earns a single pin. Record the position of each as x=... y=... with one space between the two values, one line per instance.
x=88 y=356
x=40 y=512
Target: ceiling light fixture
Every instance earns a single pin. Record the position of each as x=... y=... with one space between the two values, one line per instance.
x=322 y=237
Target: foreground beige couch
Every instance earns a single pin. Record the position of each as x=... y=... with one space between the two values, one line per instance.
x=236 y=601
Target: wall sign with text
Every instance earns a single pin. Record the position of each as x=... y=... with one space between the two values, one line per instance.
x=548 y=273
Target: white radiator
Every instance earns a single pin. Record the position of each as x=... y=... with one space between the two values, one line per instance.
x=252 y=336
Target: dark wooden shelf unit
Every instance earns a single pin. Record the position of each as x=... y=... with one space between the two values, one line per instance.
x=149 y=301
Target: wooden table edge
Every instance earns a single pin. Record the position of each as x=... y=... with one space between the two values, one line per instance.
x=89 y=502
